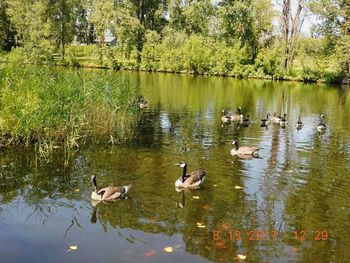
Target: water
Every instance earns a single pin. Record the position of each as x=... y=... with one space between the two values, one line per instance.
x=300 y=183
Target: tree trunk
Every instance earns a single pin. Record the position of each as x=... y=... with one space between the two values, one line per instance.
x=291 y=27
x=62 y=36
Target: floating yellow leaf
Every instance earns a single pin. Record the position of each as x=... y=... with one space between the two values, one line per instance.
x=238 y=187
x=168 y=249
x=72 y=248
x=77 y=190
x=242 y=256
x=200 y=225
x=215 y=185
x=195 y=197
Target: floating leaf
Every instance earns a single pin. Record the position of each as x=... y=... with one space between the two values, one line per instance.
x=200 y=225
x=72 y=248
x=195 y=197
x=168 y=249
x=150 y=253
x=77 y=190
x=215 y=185
x=238 y=187
x=242 y=256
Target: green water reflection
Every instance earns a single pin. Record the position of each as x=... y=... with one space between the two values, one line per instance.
x=301 y=182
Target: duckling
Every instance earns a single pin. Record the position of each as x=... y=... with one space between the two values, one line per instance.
x=244 y=150
x=245 y=121
x=109 y=193
x=225 y=118
x=299 y=124
x=283 y=121
x=264 y=122
x=192 y=180
x=321 y=127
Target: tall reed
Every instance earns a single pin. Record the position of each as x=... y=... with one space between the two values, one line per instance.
x=53 y=106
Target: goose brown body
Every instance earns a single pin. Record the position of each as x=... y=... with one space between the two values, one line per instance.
x=321 y=127
x=108 y=193
x=237 y=116
x=193 y=180
x=244 y=150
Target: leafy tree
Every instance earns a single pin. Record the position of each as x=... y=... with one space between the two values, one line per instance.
x=197 y=13
x=7 y=34
x=102 y=17
x=335 y=25
x=62 y=19
x=246 y=21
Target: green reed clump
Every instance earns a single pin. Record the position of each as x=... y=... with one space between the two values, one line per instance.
x=54 y=106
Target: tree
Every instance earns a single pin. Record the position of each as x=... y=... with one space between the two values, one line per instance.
x=248 y=21
x=102 y=15
x=291 y=27
x=335 y=25
x=62 y=19
x=197 y=13
x=7 y=34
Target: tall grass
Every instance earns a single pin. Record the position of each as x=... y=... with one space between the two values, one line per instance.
x=58 y=107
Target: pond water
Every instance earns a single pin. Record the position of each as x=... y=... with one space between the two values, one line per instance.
x=290 y=205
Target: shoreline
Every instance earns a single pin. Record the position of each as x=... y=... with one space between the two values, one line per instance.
x=345 y=81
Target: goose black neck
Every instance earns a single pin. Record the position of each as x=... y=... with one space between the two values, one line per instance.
x=94 y=183
x=236 y=146
x=184 y=170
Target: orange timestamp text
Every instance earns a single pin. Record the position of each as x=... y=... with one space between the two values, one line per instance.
x=267 y=235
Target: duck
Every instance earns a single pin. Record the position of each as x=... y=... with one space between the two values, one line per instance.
x=225 y=118
x=264 y=121
x=193 y=180
x=321 y=127
x=108 y=193
x=299 y=124
x=283 y=121
x=244 y=150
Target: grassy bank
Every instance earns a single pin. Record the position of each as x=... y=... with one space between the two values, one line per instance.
x=194 y=55
x=51 y=107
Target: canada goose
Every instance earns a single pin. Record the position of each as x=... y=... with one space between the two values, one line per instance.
x=321 y=127
x=245 y=121
x=265 y=121
x=142 y=103
x=299 y=124
x=283 y=121
x=275 y=118
x=244 y=150
x=192 y=180
x=237 y=116
x=108 y=193
x=225 y=118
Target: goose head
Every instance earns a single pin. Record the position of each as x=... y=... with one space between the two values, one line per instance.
x=93 y=181
x=181 y=164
